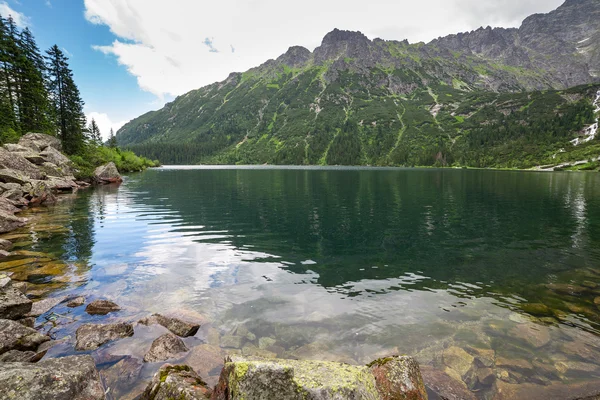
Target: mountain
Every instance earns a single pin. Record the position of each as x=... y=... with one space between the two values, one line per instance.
x=490 y=97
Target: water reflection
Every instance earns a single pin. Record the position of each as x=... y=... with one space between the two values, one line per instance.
x=348 y=265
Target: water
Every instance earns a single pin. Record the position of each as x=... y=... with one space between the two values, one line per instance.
x=495 y=270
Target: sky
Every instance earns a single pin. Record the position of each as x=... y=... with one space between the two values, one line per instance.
x=132 y=56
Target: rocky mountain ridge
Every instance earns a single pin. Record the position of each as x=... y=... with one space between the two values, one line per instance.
x=388 y=91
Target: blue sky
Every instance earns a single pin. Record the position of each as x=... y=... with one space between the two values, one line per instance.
x=132 y=56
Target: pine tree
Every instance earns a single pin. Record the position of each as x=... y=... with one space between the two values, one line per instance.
x=33 y=108
x=95 y=135
x=66 y=102
x=112 y=139
x=8 y=50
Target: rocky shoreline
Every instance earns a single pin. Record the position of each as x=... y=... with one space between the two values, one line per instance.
x=33 y=172
x=24 y=374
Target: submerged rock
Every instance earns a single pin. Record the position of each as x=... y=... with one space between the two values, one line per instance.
x=68 y=378
x=254 y=378
x=101 y=307
x=13 y=303
x=176 y=382
x=398 y=378
x=108 y=173
x=92 y=336
x=458 y=360
x=165 y=347
x=122 y=375
x=175 y=325
x=43 y=306
x=14 y=336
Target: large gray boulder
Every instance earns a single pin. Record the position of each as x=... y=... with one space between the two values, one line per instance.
x=92 y=336
x=13 y=303
x=176 y=382
x=51 y=155
x=40 y=142
x=393 y=378
x=17 y=148
x=14 y=336
x=175 y=325
x=68 y=378
x=9 y=222
x=17 y=162
x=165 y=347
x=108 y=173
x=9 y=175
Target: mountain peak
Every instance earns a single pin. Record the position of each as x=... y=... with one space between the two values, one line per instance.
x=337 y=35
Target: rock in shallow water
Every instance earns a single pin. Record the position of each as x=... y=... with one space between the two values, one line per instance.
x=107 y=174
x=101 y=307
x=43 y=306
x=175 y=325
x=254 y=378
x=68 y=378
x=14 y=336
x=176 y=382
x=76 y=302
x=13 y=303
x=92 y=336
x=165 y=347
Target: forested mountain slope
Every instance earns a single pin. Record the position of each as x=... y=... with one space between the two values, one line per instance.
x=491 y=97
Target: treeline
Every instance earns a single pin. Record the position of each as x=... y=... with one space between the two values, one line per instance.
x=171 y=153
x=38 y=94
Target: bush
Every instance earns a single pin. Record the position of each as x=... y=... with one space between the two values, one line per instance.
x=94 y=156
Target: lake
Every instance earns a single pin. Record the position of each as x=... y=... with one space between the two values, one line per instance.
x=491 y=279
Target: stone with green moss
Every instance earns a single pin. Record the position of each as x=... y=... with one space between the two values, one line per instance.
x=258 y=378
x=179 y=382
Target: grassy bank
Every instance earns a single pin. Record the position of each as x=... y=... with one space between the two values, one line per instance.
x=94 y=156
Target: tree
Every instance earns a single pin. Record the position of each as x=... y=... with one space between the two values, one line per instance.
x=66 y=102
x=95 y=136
x=33 y=103
x=112 y=139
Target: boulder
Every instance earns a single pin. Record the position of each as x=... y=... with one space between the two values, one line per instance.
x=254 y=378
x=14 y=336
x=67 y=378
x=28 y=322
x=9 y=175
x=9 y=222
x=8 y=206
x=398 y=378
x=175 y=325
x=18 y=356
x=51 y=155
x=39 y=142
x=17 y=162
x=34 y=158
x=40 y=192
x=108 y=173
x=45 y=305
x=13 y=303
x=76 y=302
x=176 y=382
x=92 y=336
x=101 y=307
x=61 y=184
x=13 y=194
x=165 y=347
x=16 y=148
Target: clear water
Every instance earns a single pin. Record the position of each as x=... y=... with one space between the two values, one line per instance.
x=341 y=264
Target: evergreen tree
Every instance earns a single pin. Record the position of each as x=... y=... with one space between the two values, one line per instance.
x=95 y=136
x=112 y=139
x=8 y=55
x=66 y=102
x=33 y=107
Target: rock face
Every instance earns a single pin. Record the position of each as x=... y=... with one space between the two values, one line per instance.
x=176 y=382
x=101 y=307
x=14 y=336
x=68 y=378
x=175 y=325
x=254 y=378
x=92 y=336
x=165 y=347
x=108 y=173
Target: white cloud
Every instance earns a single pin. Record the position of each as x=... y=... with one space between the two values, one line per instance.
x=181 y=45
x=21 y=20
x=104 y=123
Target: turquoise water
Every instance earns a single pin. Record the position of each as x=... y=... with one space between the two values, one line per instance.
x=344 y=264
